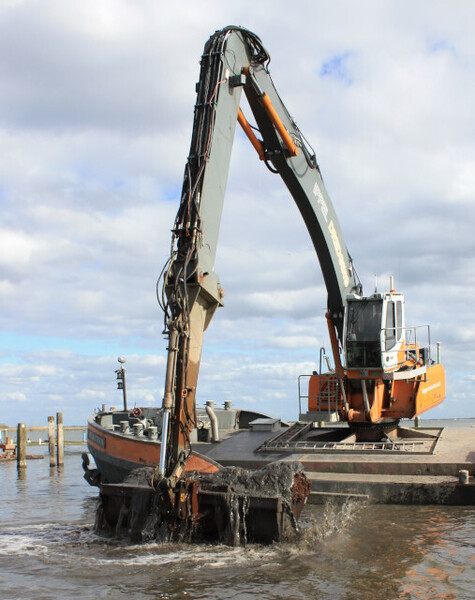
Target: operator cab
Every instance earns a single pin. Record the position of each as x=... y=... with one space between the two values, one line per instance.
x=374 y=331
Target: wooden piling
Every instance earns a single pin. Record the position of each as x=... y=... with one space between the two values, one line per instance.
x=51 y=438
x=21 y=446
x=60 y=446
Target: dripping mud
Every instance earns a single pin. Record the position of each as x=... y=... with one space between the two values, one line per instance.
x=232 y=506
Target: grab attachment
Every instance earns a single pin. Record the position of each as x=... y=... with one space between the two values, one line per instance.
x=232 y=506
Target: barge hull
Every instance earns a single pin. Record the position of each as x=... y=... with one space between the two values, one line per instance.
x=391 y=478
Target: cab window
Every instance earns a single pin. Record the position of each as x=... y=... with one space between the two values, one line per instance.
x=390 y=331
x=399 y=323
x=364 y=320
x=363 y=336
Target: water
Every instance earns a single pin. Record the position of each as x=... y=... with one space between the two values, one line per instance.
x=49 y=550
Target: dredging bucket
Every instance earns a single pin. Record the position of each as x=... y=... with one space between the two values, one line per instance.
x=233 y=506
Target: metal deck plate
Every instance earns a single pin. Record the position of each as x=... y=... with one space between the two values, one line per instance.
x=303 y=438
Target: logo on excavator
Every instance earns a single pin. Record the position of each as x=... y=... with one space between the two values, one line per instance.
x=339 y=253
x=320 y=201
x=431 y=388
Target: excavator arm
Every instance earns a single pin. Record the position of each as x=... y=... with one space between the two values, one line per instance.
x=287 y=150
x=234 y=60
x=381 y=370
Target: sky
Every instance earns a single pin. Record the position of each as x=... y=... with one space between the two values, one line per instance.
x=96 y=107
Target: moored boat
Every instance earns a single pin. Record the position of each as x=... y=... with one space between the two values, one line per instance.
x=121 y=441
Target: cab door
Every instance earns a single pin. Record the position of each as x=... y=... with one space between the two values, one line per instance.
x=392 y=335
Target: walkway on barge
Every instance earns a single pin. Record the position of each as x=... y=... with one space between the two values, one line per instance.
x=398 y=472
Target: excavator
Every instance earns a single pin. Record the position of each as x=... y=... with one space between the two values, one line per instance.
x=382 y=371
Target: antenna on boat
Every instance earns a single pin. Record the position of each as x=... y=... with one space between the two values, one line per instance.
x=121 y=379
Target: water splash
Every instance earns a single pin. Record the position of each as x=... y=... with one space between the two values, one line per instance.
x=336 y=520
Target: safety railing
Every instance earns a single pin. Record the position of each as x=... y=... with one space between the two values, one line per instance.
x=416 y=346
x=328 y=400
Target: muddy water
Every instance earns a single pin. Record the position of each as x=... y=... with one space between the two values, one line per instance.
x=48 y=550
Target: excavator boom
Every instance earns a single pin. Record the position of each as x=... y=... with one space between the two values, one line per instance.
x=234 y=60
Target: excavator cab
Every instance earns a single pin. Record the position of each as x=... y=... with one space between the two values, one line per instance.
x=375 y=332
x=385 y=372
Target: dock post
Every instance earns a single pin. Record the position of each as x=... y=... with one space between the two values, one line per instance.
x=417 y=422
x=51 y=436
x=60 y=446
x=21 y=446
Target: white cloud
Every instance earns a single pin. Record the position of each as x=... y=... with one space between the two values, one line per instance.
x=96 y=109
x=16 y=397
x=16 y=249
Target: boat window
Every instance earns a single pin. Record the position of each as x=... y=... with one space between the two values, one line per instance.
x=390 y=331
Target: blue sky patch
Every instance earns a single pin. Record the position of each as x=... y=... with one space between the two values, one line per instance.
x=441 y=46
x=172 y=192
x=337 y=67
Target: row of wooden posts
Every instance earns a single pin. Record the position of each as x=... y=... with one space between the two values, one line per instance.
x=56 y=442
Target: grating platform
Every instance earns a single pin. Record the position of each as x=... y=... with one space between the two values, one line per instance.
x=305 y=438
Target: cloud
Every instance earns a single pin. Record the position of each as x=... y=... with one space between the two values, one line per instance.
x=16 y=250
x=96 y=108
